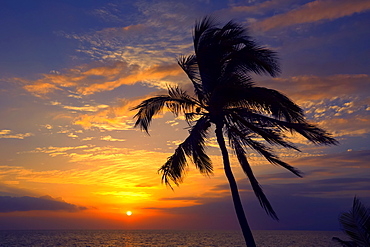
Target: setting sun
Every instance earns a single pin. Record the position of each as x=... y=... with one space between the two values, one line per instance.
x=129 y=213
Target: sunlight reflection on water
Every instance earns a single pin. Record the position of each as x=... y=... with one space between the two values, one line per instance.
x=132 y=238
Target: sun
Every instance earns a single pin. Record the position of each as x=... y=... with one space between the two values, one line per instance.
x=129 y=213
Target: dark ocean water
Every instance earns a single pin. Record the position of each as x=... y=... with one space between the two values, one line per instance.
x=128 y=238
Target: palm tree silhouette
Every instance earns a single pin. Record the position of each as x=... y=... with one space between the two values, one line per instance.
x=356 y=224
x=226 y=97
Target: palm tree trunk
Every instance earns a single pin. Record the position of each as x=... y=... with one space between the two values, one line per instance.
x=247 y=233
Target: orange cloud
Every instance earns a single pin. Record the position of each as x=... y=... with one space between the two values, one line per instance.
x=111 y=139
x=112 y=118
x=115 y=31
x=137 y=27
x=118 y=117
x=353 y=126
x=316 y=11
x=8 y=134
x=258 y=7
x=92 y=78
x=41 y=88
x=309 y=87
x=102 y=120
x=155 y=73
x=108 y=71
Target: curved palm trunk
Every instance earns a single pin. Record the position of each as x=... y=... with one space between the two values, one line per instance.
x=249 y=240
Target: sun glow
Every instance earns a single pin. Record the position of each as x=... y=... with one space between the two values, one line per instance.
x=129 y=213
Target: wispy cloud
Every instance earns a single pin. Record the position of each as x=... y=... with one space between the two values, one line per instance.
x=125 y=194
x=111 y=139
x=93 y=78
x=339 y=103
x=152 y=34
x=109 y=13
x=356 y=125
x=88 y=108
x=108 y=159
x=310 y=87
x=319 y=10
x=153 y=76
x=8 y=134
x=117 y=117
x=113 y=118
x=255 y=8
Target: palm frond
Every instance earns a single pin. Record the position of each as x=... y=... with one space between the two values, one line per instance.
x=344 y=243
x=238 y=52
x=223 y=51
x=147 y=109
x=182 y=102
x=261 y=149
x=190 y=67
x=312 y=133
x=238 y=79
x=228 y=39
x=195 y=145
x=232 y=31
x=174 y=169
x=356 y=223
x=241 y=155
x=247 y=126
x=177 y=101
x=264 y=101
x=201 y=28
x=194 y=148
x=253 y=58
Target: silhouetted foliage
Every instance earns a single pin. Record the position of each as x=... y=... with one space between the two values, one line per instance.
x=356 y=224
x=227 y=97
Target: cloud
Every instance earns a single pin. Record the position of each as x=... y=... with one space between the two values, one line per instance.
x=27 y=203
x=188 y=198
x=40 y=87
x=125 y=194
x=118 y=117
x=122 y=32
x=256 y=9
x=338 y=103
x=108 y=14
x=350 y=159
x=153 y=76
x=328 y=187
x=7 y=134
x=111 y=139
x=8 y=186
x=88 y=108
x=218 y=213
x=107 y=165
x=53 y=151
x=152 y=34
x=112 y=118
x=356 y=125
x=319 y=10
x=98 y=77
x=311 y=87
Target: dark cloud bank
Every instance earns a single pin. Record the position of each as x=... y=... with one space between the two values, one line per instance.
x=310 y=203
x=27 y=203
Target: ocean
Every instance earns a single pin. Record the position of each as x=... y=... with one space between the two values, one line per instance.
x=132 y=238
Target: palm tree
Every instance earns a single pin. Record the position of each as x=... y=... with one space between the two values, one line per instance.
x=226 y=97
x=356 y=224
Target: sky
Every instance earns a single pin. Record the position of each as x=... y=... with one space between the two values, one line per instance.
x=70 y=72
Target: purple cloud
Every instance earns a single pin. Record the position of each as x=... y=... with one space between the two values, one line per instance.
x=28 y=203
